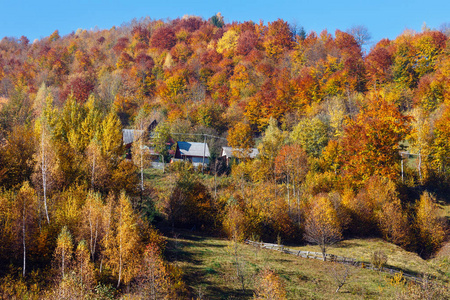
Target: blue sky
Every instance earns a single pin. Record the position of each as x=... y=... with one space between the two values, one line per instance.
x=383 y=18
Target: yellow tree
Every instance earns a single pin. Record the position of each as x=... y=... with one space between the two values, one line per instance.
x=96 y=166
x=64 y=250
x=270 y=287
x=441 y=147
x=228 y=42
x=45 y=159
x=291 y=166
x=154 y=280
x=140 y=151
x=83 y=266
x=93 y=224
x=111 y=138
x=26 y=203
x=122 y=242
x=312 y=134
x=321 y=224
x=429 y=224
x=91 y=124
x=241 y=140
x=421 y=142
x=17 y=157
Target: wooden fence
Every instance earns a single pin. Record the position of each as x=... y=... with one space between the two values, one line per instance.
x=333 y=258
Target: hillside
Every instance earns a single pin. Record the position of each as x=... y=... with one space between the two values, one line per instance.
x=326 y=145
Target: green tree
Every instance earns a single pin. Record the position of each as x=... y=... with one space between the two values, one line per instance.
x=269 y=147
x=161 y=134
x=312 y=134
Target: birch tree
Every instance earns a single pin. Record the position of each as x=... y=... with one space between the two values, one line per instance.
x=93 y=221
x=45 y=157
x=26 y=203
x=64 y=249
x=122 y=245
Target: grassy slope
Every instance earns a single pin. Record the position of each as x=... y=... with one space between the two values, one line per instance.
x=409 y=262
x=208 y=264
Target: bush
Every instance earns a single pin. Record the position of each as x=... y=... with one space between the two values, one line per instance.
x=378 y=259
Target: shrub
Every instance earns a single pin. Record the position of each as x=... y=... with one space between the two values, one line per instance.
x=378 y=259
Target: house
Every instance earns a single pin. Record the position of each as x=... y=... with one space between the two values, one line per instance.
x=229 y=153
x=131 y=135
x=197 y=153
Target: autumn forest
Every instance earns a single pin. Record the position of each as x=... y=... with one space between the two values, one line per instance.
x=352 y=142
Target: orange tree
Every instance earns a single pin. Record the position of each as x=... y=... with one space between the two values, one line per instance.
x=371 y=142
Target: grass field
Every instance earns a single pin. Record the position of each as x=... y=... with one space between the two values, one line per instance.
x=408 y=262
x=210 y=270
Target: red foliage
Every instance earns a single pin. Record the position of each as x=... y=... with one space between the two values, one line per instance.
x=81 y=87
x=247 y=41
x=140 y=34
x=190 y=24
x=144 y=61
x=377 y=64
x=163 y=38
x=210 y=57
x=121 y=45
x=279 y=33
x=347 y=43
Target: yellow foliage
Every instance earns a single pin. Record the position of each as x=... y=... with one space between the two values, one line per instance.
x=228 y=41
x=428 y=222
x=270 y=287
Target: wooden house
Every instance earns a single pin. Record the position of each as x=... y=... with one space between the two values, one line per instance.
x=229 y=153
x=197 y=153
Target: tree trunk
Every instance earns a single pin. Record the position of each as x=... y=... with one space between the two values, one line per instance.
x=93 y=172
x=288 y=196
x=44 y=176
x=63 y=262
x=24 y=244
x=120 y=270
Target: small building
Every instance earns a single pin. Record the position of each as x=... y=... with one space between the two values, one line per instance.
x=131 y=135
x=229 y=153
x=197 y=153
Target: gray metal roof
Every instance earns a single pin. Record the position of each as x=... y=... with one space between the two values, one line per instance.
x=130 y=135
x=193 y=149
x=228 y=152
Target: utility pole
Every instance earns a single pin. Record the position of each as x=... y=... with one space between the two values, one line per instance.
x=204 y=152
x=401 y=155
x=420 y=166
